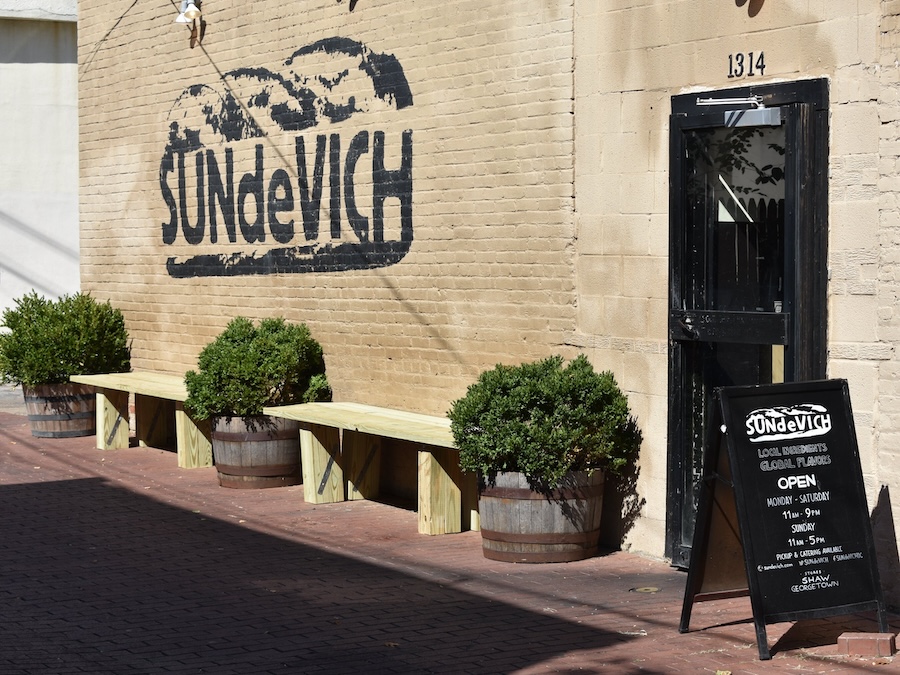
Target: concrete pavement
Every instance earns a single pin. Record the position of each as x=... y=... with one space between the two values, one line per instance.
x=11 y=400
x=119 y=562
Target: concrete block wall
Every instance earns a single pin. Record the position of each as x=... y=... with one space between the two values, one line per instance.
x=489 y=125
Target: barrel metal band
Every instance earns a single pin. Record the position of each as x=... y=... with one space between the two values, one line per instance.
x=570 y=555
x=267 y=470
x=61 y=418
x=57 y=434
x=581 y=492
x=238 y=436
x=73 y=398
x=589 y=537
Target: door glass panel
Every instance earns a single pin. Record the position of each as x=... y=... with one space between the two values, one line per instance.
x=735 y=243
x=735 y=228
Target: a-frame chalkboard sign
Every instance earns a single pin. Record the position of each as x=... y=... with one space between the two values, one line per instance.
x=782 y=513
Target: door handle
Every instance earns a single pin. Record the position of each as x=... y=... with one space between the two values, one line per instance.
x=689 y=330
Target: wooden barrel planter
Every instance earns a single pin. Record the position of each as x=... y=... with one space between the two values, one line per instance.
x=61 y=410
x=256 y=452
x=521 y=525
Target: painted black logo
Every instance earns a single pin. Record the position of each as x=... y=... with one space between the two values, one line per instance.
x=213 y=130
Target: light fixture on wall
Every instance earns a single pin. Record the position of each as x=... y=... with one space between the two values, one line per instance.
x=189 y=12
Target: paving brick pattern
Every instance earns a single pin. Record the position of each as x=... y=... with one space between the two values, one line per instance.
x=119 y=562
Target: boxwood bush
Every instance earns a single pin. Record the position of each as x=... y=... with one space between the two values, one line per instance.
x=247 y=367
x=47 y=341
x=544 y=419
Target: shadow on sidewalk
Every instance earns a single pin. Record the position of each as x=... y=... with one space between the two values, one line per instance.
x=100 y=579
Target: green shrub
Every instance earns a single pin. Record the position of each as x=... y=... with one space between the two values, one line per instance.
x=248 y=367
x=544 y=419
x=47 y=341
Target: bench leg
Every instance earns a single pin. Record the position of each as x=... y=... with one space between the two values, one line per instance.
x=362 y=457
x=440 y=497
x=193 y=440
x=154 y=421
x=320 y=457
x=112 y=419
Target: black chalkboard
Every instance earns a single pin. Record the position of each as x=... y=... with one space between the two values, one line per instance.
x=789 y=494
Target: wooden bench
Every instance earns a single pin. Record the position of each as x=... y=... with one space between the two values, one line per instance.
x=340 y=454
x=158 y=411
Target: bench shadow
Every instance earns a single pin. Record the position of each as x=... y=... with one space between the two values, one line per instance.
x=106 y=580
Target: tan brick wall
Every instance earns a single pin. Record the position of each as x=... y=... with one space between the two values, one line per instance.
x=488 y=275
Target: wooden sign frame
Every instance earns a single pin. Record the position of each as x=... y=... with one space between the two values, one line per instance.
x=782 y=513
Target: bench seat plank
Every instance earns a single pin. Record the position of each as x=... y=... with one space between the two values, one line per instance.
x=370 y=419
x=160 y=385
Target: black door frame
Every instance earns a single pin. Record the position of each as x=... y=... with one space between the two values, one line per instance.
x=806 y=207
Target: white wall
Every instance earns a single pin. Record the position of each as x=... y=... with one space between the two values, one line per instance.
x=47 y=10
x=39 y=162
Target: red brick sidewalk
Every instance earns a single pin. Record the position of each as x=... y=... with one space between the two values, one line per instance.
x=119 y=562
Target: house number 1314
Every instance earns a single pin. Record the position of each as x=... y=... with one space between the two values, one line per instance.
x=749 y=64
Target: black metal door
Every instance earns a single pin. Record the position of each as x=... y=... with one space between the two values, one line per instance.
x=747 y=251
